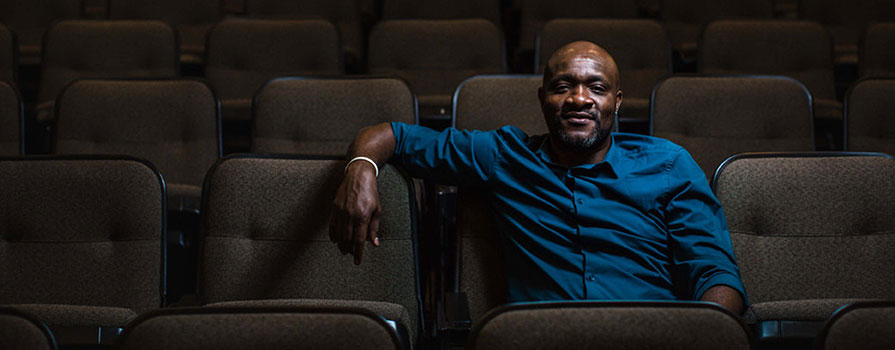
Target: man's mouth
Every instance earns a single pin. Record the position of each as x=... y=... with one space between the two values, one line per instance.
x=578 y=118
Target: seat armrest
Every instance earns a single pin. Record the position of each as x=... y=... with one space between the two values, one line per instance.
x=787 y=333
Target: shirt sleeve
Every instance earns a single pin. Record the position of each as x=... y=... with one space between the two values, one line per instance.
x=449 y=157
x=698 y=233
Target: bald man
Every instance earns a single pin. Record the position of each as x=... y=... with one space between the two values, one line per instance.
x=583 y=213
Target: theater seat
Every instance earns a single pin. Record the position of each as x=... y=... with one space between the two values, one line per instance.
x=869 y=125
x=20 y=331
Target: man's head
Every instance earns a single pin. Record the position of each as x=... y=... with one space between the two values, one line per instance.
x=580 y=95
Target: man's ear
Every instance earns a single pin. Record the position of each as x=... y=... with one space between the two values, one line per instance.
x=618 y=99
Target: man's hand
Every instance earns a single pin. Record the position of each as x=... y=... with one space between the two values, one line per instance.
x=355 y=214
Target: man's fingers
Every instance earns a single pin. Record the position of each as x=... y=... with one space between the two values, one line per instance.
x=374 y=229
x=359 y=240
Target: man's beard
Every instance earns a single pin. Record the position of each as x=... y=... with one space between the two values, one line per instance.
x=593 y=140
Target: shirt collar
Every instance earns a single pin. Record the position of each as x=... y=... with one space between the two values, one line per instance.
x=610 y=162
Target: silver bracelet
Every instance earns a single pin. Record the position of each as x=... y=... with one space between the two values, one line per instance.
x=363 y=159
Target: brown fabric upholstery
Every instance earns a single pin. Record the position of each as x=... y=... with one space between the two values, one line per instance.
x=640 y=48
x=798 y=49
x=81 y=232
x=798 y=310
x=267 y=237
x=535 y=13
x=808 y=228
x=435 y=9
x=171 y=123
x=611 y=326
x=321 y=117
x=30 y=19
x=104 y=49
x=192 y=19
x=877 y=56
x=11 y=121
x=482 y=269
x=60 y=315
x=344 y=14
x=386 y=310
x=684 y=19
x=8 y=55
x=717 y=117
x=846 y=21
x=869 y=326
x=259 y=328
x=243 y=54
x=21 y=332
x=434 y=56
x=869 y=125
x=489 y=102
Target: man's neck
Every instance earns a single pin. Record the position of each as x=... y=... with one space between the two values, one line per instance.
x=571 y=157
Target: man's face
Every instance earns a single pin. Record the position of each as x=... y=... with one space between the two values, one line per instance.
x=579 y=100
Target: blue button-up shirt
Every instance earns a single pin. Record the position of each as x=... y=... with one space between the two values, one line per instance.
x=642 y=224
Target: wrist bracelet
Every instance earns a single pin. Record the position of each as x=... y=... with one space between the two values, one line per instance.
x=363 y=159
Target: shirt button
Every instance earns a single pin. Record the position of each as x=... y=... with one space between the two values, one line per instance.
x=591 y=278
x=580 y=200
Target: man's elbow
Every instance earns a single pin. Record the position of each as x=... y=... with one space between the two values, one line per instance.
x=726 y=297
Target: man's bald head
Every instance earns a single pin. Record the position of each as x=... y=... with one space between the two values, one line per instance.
x=582 y=50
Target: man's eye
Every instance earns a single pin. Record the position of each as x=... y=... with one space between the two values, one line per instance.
x=598 y=88
x=561 y=88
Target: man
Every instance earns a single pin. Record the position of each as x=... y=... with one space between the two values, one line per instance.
x=583 y=213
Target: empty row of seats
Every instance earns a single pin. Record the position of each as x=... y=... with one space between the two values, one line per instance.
x=811 y=232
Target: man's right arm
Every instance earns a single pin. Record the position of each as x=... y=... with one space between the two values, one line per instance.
x=355 y=214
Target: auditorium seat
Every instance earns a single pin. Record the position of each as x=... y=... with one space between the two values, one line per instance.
x=798 y=49
x=611 y=325
x=535 y=13
x=171 y=123
x=12 y=124
x=434 y=56
x=869 y=125
x=487 y=102
x=344 y=14
x=30 y=20
x=271 y=328
x=866 y=326
x=684 y=19
x=811 y=232
x=76 y=49
x=435 y=9
x=714 y=117
x=266 y=241
x=83 y=243
x=846 y=22
x=192 y=19
x=322 y=116
x=9 y=55
x=243 y=54
x=876 y=55
x=640 y=48
x=20 y=331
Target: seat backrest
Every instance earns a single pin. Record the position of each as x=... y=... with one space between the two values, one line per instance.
x=866 y=325
x=19 y=331
x=434 y=56
x=534 y=13
x=9 y=60
x=714 y=117
x=12 y=123
x=482 y=271
x=105 y=49
x=612 y=325
x=172 y=123
x=266 y=236
x=811 y=226
x=243 y=54
x=837 y=13
x=876 y=57
x=82 y=231
x=700 y=12
x=344 y=14
x=174 y=12
x=322 y=116
x=30 y=19
x=488 y=102
x=869 y=125
x=435 y=9
x=640 y=48
x=799 y=49
x=259 y=328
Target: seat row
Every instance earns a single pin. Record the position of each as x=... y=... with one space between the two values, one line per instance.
x=84 y=252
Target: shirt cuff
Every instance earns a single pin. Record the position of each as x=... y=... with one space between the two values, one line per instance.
x=726 y=279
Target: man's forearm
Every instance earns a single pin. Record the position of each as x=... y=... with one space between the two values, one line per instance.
x=726 y=297
x=376 y=142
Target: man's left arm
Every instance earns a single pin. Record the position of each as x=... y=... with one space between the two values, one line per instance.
x=702 y=253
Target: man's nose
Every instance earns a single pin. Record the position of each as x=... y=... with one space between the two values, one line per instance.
x=580 y=97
